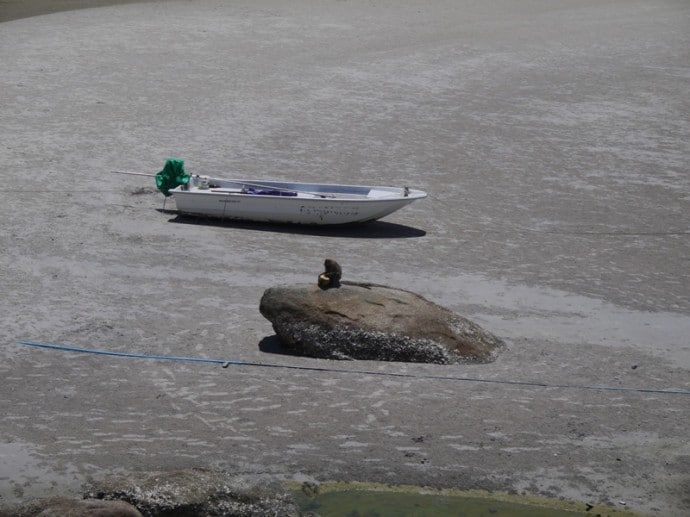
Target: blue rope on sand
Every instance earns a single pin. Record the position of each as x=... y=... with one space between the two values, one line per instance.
x=225 y=363
x=125 y=354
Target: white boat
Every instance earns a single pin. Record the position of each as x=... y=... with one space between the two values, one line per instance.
x=278 y=201
x=287 y=202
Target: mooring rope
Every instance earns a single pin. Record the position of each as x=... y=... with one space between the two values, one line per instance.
x=225 y=363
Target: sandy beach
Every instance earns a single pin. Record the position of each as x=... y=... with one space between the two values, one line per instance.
x=553 y=140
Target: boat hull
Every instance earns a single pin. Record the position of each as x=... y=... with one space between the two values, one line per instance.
x=311 y=204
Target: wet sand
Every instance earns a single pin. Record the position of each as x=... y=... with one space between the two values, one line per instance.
x=553 y=142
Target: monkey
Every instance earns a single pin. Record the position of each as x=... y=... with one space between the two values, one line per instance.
x=331 y=277
x=333 y=271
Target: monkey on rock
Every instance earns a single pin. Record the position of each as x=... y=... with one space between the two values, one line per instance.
x=331 y=277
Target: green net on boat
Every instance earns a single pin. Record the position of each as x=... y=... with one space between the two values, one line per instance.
x=172 y=175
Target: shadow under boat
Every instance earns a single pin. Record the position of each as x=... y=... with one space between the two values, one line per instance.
x=368 y=230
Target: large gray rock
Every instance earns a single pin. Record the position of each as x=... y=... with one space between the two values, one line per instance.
x=369 y=321
x=198 y=491
x=69 y=507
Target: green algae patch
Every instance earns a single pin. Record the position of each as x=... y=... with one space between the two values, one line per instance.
x=357 y=499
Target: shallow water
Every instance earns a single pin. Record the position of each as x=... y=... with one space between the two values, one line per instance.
x=408 y=505
x=394 y=503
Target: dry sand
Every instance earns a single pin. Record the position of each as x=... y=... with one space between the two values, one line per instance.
x=552 y=138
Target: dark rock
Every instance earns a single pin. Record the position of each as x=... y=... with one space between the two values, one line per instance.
x=66 y=507
x=196 y=492
x=369 y=321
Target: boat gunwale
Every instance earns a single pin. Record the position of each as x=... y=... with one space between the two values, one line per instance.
x=312 y=191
